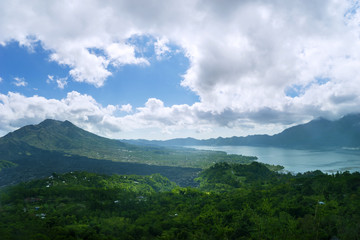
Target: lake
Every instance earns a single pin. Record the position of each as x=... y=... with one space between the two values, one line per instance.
x=298 y=160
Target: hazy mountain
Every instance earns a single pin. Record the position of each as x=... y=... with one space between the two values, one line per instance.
x=319 y=133
x=344 y=132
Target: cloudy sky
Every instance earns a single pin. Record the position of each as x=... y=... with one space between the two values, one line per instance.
x=164 y=69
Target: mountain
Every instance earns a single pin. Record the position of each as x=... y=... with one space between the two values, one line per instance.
x=344 y=132
x=319 y=133
x=53 y=135
x=70 y=140
x=35 y=151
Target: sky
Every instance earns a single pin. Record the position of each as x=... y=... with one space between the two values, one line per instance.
x=163 y=69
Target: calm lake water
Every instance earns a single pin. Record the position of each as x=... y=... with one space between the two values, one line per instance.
x=298 y=160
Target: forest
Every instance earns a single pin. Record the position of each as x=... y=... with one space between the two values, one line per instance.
x=232 y=201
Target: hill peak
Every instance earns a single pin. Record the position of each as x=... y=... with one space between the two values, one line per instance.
x=47 y=129
x=53 y=122
x=49 y=122
x=320 y=119
x=63 y=136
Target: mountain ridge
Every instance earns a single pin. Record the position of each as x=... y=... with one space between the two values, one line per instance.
x=318 y=133
x=56 y=146
x=36 y=151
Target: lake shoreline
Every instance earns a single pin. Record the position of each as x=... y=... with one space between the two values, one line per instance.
x=298 y=160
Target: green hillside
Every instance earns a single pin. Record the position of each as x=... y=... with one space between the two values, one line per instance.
x=246 y=202
x=65 y=137
x=36 y=151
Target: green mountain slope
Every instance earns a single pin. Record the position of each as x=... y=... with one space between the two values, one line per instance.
x=36 y=151
x=64 y=136
x=68 y=139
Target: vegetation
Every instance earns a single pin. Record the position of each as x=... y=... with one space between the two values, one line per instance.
x=41 y=164
x=234 y=197
x=6 y=164
x=67 y=139
x=36 y=151
x=233 y=201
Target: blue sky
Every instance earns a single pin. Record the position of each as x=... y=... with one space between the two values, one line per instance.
x=167 y=69
x=129 y=84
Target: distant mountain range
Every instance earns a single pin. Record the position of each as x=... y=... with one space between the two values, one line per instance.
x=319 y=133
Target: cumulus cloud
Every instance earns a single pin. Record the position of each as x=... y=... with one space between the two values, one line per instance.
x=86 y=67
x=126 y=108
x=123 y=54
x=70 y=32
x=17 y=110
x=244 y=55
x=19 y=82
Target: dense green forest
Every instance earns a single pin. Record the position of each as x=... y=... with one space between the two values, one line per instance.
x=233 y=201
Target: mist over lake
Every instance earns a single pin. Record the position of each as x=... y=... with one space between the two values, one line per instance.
x=298 y=160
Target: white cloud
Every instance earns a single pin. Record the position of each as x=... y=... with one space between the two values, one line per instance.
x=243 y=55
x=79 y=28
x=161 y=48
x=50 y=79
x=20 y=82
x=122 y=54
x=1 y=79
x=17 y=110
x=61 y=82
x=86 y=67
x=126 y=108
